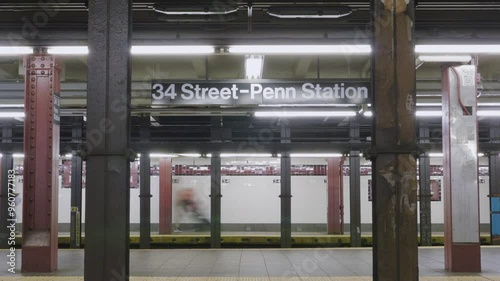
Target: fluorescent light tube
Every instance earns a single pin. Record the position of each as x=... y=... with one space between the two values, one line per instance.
x=172 y=50
x=457 y=49
x=445 y=58
x=11 y=105
x=68 y=50
x=305 y=114
x=429 y=104
x=307 y=105
x=14 y=114
x=368 y=113
x=254 y=66
x=488 y=113
x=435 y=154
x=159 y=155
x=315 y=155
x=300 y=49
x=18 y=155
x=251 y=155
x=15 y=50
x=194 y=155
x=424 y=113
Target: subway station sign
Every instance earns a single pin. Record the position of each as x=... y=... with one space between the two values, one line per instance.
x=259 y=92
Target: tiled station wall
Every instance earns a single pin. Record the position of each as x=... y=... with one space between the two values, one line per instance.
x=253 y=199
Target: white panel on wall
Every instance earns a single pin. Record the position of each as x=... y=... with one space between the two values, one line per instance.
x=484 y=200
x=309 y=201
x=366 y=206
x=251 y=199
x=347 y=203
x=64 y=208
x=155 y=200
x=135 y=216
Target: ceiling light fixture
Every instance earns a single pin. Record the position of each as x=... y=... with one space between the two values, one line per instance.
x=315 y=155
x=254 y=65
x=445 y=58
x=250 y=155
x=159 y=155
x=300 y=49
x=457 y=49
x=68 y=50
x=15 y=50
x=305 y=114
x=172 y=50
x=13 y=114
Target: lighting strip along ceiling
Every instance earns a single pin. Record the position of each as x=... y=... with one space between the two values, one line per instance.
x=300 y=49
x=315 y=155
x=305 y=114
x=15 y=50
x=449 y=50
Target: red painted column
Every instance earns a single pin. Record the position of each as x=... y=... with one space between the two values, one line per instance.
x=165 y=195
x=41 y=150
x=335 y=215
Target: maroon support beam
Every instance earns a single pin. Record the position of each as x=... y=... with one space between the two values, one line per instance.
x=165 y=195
x=41 y=150
x=335 y=196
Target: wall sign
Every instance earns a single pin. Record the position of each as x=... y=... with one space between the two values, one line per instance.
x=259 y=92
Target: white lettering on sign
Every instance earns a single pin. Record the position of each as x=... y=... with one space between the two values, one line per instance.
x=257 y=93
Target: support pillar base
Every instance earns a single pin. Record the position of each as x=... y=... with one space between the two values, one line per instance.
x=465 y=258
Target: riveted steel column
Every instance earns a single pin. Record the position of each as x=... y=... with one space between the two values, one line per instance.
x=395 y=255
x=215 y=201
x=355 y=188
x=107 y=220
x=41 y=163
x=165 y=195
x=335 y=201
x=76 y=190
x=6 y=181
x=425 y=191
x=145 y=186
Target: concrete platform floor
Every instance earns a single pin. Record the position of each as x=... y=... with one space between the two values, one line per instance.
x=257 y=265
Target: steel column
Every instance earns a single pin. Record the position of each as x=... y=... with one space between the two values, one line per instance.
x=6 y=217
x=425 y=191
x=355 y=187
x=460 y=169
x=395 y=255
x=215 y=201
x=335 y=200
x=145 y=186
x=494 y=161
x=107 y=224
x=76 y=189
x=76 y=201
x=165 y=195
x=41 y=164
x=355 y=198
x=286 y=201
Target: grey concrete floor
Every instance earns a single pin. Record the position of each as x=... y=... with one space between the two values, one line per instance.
x=318 y=262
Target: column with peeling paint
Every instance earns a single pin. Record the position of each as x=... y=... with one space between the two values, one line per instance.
x=395 y=255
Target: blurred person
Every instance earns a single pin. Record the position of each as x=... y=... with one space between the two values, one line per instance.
x=188 y=208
